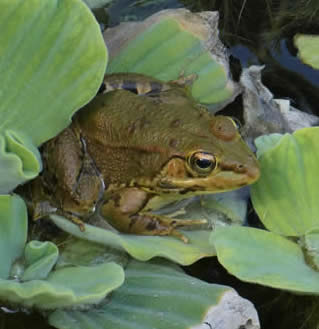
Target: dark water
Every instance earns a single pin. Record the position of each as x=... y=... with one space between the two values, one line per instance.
x=256 y=32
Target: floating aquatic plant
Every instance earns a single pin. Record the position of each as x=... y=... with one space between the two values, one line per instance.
x=286 y=201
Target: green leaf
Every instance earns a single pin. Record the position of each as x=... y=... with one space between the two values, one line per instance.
x=53 y=59
x=286 y=196
x=308 y=49
x=65 y=287
x=23 y=268
x=171 y=43
x=156 y=295
x=55 y=70
x=145 y=247
x=266 y=258
x=266 y=142
x=13 y=231
x=20 y=160
x=40 y=257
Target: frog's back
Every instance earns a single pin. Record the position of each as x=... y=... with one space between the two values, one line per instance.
x=133 y=136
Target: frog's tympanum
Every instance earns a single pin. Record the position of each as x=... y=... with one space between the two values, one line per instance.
x=137 y=146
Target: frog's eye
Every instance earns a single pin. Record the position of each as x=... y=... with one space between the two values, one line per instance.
x=236 y=123
x=203 y=163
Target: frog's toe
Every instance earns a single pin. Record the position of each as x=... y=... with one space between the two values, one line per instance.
x=179 y=235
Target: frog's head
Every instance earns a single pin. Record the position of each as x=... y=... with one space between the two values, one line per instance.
x=216 y=160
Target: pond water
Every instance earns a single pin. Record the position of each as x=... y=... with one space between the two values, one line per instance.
x=256 y=32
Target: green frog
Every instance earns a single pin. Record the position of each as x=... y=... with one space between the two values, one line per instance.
x=137 y=146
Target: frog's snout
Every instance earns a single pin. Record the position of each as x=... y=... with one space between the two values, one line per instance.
x=253 y=172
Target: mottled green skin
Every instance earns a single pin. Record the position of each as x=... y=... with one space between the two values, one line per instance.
x=131 y=154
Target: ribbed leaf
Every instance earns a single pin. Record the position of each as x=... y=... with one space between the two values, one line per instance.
x=64 y=287
x=157 y=295
x=52 y=61
x=145 y=247
x=55 y=70
x=171 y=43
x=266 y=258
x=286 y=196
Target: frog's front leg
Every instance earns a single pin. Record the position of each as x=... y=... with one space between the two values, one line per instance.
x=123 y=209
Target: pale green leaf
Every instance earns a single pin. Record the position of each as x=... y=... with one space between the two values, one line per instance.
x=52 y=63
x=145 y=247
x=174 y=43
x=266 y=142
x=286 y=196
x=65 y=287
x=266 y=258
x=20 y=160
x=13 y=231
x=40 y=257
x=308 y=49
x=155 y=295
x=53 y=59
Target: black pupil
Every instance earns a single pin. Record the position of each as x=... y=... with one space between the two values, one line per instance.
x=203 y=163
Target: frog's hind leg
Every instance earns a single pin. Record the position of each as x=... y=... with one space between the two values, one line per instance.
x=123 y=210
x=151 y=224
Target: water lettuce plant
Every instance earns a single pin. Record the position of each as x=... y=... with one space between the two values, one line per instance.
x=28 y=276
x=158 y=294
x=56 y=70
x=147 y=47
x=286 y=201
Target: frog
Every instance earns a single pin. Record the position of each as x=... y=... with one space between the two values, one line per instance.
x=139 y=145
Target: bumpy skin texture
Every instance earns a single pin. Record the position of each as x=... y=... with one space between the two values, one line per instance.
x=140 y=148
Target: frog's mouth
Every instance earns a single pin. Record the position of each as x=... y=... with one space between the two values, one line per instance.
x=221 y=181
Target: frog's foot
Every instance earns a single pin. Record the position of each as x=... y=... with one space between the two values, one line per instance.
x=76 y=220
x=124 y=211
x=151 y=224
x=185 y=80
